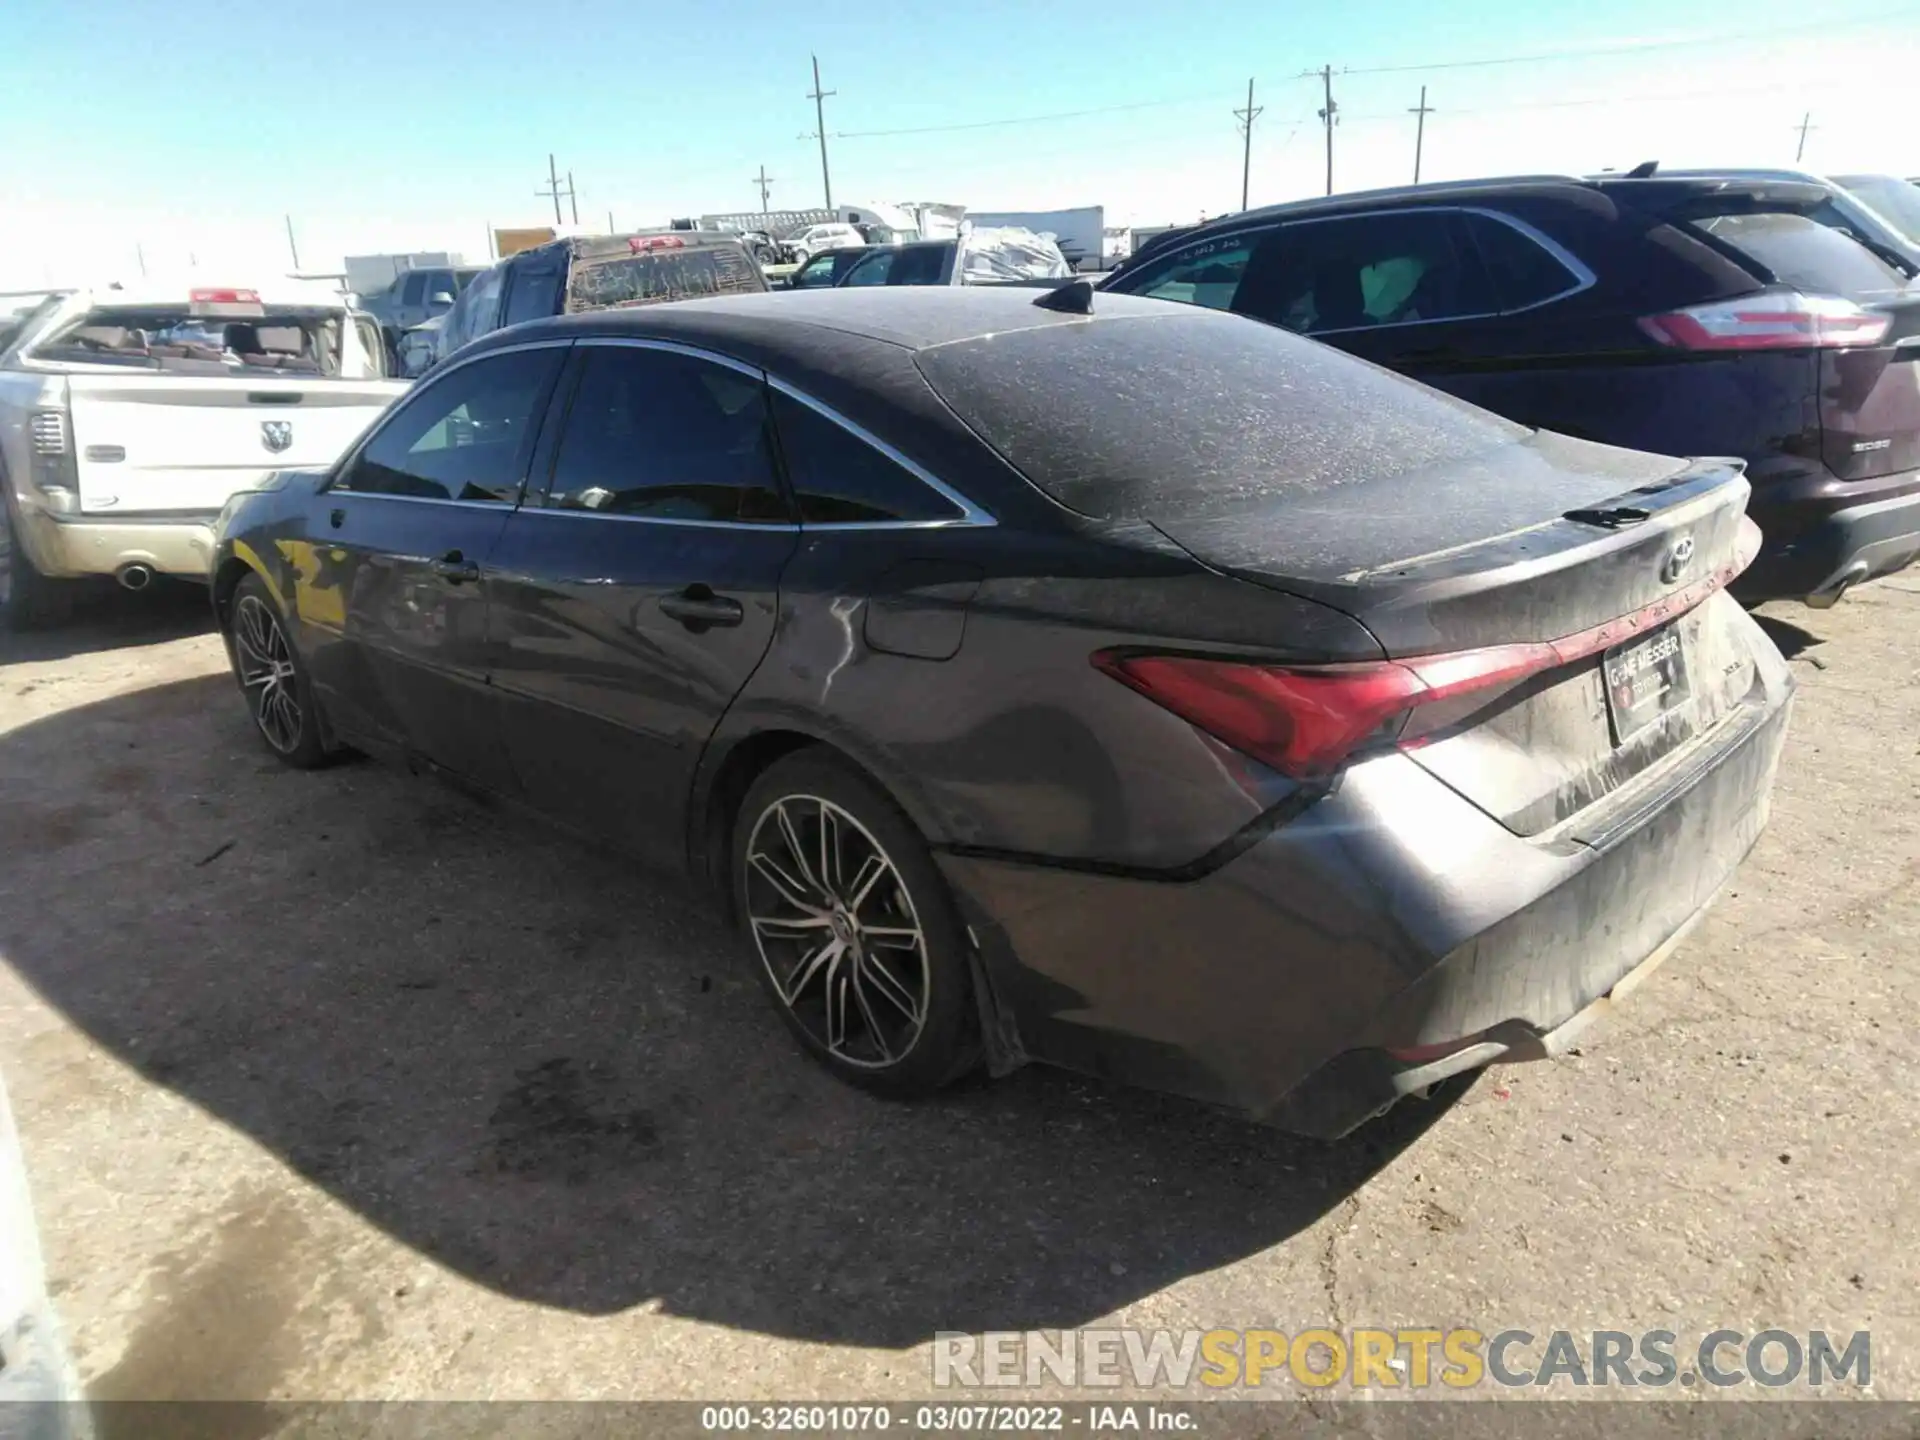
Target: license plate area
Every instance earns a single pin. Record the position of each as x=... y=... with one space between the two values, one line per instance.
x=1646 y=681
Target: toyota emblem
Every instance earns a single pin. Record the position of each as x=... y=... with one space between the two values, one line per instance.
x=276 y=435
x=1675 y=565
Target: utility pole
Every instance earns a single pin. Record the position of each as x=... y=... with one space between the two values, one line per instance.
x=290 y=243
x=612 y=229
x=819 y=98
x=573 y=198
x=1806 y=124
x=1329 y=117
x=1246 y=118
x=765 y=182
x=140 y=254
x=554 y=191
x=1421 y=111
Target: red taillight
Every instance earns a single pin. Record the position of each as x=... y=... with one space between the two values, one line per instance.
x=1772 y=320
x=223 y=297
x=1306 y=720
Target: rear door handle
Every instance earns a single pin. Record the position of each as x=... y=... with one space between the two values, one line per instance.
x=697 y=607
x=455 y=569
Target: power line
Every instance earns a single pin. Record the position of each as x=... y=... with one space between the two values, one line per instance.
x=1246 y=118
x=1028 y=119
x=1632 y=48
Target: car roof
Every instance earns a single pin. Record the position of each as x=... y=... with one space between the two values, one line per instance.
x=806 y=323
x=1353 y=200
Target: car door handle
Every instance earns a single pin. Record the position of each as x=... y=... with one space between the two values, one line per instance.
x=697 y=605
x=455 y=569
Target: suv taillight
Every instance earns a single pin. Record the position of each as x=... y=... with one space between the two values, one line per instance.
x=1771 y=320
x=48 y=429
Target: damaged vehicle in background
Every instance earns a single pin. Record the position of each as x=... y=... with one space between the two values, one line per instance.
x=1223 y=715
x=983 y=256
x=128 y=416
x=581 y=273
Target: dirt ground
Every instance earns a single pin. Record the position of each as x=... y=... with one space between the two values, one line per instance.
x=341 y=1085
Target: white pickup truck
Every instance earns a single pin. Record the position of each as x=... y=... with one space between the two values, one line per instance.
x=129 y=416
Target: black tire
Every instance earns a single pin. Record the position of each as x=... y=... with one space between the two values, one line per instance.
x=876 y=967
x=28 y=599
x=273 y=677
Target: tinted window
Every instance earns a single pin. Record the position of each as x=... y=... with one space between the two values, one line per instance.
x=1206 y=274
x=676 y=272
x=1324 y=276
x=665 y=435
x=900 y=265
x=1803 y=252
x=839 y=479
x=464 y=437
x=535 y=292
x=414 y=289
x=1523 y=271
x=1890 y=197
x=1198 y=412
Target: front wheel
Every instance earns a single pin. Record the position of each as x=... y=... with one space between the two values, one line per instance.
x=273 y=678
x=856 y=936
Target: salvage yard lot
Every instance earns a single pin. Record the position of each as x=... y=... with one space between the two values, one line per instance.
x=344 y=1085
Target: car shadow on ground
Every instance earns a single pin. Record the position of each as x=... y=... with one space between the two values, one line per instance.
x=106 y=616
x=556 y=1076
x=1789 y=638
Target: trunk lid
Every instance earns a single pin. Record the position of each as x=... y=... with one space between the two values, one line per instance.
x=149 y=443
x=1870 y=398
x=1626 y=580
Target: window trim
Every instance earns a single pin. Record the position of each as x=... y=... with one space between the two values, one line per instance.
x=1583 y=276
x=429 y=381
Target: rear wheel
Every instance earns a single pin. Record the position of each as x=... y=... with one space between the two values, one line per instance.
x=273 y=678
x=28 y=599
x=857 y=940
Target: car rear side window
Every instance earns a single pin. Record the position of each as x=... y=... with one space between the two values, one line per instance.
x=414 y=289
x=1395 y=268
x=1524 y=272
x=666 y=436
x=463 y=437
x=840 y=479
x=1802 y=252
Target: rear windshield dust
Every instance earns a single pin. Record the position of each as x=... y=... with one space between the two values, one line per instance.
x=1195 y=413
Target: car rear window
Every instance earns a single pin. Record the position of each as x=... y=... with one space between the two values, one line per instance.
x=287 y=340
x=1192 y=412
x=1802 y=252
x=646 y=277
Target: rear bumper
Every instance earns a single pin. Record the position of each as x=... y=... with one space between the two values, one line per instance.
x=1387 y=936
x=1844 y=543
x=71 y=546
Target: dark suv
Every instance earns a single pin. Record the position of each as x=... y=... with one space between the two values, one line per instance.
x=1690 y=316
x=600 y=272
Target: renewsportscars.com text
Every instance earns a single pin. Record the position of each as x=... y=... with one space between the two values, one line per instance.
x=1401 y=1358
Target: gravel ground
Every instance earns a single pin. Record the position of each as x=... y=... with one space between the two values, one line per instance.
x=343 y=1086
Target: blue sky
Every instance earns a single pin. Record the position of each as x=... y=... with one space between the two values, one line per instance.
x=191 y=127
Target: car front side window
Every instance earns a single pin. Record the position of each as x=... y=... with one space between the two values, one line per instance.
x=1207 y=274
x=463 y=437
x=657 y=434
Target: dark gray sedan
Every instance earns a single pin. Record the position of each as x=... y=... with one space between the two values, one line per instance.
x=1147 y=691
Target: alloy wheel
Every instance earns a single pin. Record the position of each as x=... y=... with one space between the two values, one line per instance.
x=267 y=674
x=837 y=931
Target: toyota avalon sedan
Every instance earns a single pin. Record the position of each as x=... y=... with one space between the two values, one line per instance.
x=1075 y=677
